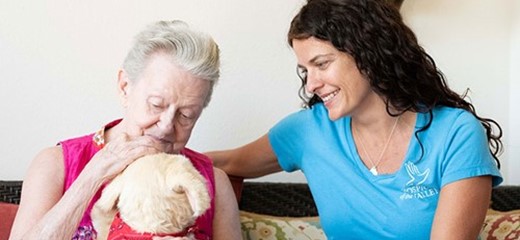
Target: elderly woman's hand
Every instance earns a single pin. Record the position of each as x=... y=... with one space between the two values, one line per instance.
x=119 y=153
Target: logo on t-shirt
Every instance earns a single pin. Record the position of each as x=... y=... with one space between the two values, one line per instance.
x=414 y=188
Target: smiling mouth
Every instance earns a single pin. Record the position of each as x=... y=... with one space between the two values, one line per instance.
x=330 y=96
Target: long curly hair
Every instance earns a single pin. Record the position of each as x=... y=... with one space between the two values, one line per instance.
x=387 y=53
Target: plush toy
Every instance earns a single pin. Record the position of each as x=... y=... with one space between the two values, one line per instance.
x=157 y=195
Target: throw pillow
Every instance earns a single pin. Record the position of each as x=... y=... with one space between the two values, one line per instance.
x=501 y=225
x=264 y=227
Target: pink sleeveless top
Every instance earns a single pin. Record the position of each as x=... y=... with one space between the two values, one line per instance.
x=77 y=152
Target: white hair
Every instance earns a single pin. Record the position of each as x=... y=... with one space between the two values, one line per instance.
x=194 y=51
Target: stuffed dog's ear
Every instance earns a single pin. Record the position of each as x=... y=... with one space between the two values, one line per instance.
x=105 y=209
x=199 y=200
x=189 y=181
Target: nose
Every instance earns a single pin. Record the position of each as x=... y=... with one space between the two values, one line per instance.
x=166 y=121
x=313 y=83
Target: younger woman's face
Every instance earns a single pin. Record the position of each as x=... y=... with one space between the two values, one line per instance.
x=164 y=102
x=332 y=75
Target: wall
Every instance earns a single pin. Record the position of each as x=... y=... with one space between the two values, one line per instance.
x=59 y=61
x=472 y=42
x=514 y=136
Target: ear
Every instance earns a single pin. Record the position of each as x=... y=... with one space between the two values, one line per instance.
x=123 y=85
x=188 y=180
x=195 y=191
x=198 y=197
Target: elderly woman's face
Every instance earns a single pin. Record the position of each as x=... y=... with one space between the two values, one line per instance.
x=164 y=103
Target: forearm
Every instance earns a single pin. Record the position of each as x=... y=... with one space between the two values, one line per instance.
x=45 y=212
x=255 y=159
x=62 y=220
x=221 y=159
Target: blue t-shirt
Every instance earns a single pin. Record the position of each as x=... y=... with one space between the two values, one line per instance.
x=353 y=203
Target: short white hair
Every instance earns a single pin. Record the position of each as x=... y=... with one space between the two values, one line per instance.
x=194 y=51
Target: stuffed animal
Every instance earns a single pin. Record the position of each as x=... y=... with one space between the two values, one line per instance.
x=156 y=195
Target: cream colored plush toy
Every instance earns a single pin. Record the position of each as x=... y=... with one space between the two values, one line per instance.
x=158 y=194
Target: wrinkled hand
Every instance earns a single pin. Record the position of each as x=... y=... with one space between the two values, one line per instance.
x=119 y=153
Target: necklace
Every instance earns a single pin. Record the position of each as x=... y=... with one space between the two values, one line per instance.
x=373 y=169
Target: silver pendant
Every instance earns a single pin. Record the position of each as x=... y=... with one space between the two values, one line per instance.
x=373 y=170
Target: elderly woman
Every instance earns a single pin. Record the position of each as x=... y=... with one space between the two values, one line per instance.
x=166 y=80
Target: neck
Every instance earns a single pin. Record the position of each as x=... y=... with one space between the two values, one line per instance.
x=374 y=163
x=372 y=114
x=381 y=146
x=374 y=123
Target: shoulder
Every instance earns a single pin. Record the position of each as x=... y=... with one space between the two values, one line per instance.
x=317 y=111
x=223 y=187
x=81 y=140
x=48 y=156
x=317 y=116
x=453 y=115
x=42 y=188
x=454 y=125
x=450 y=120
x=463 y=122
x=220 y=175
x=46 y=168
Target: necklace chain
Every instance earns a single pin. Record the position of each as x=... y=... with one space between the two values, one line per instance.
x=373 y=169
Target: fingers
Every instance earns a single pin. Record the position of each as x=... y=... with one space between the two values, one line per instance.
x=124 y=147
x=120 y=152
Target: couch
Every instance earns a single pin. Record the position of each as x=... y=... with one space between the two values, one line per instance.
x=287 y=211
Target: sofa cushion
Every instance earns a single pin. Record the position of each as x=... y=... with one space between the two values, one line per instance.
x=7 y=213
x=501 y=225
x=258 y=226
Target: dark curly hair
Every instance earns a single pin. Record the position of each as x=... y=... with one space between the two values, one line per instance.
x=387 y=53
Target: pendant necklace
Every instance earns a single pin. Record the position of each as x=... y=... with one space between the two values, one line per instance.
x=373 y=169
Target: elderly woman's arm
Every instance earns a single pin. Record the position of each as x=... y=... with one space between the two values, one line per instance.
x=44 y=213
x=226 y=223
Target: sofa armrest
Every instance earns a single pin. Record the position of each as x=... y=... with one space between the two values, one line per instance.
x=7 y=214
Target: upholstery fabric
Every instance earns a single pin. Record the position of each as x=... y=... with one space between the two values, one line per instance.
x=286 y=211
x=7 y=213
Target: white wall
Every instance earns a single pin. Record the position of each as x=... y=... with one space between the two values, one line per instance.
x=59 y=59
x=514 y=134
x=472 y=42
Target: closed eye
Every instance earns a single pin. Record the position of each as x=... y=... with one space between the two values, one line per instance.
x=156 y=104
x=156 y=107
x=185 y=119
x=323 y=65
